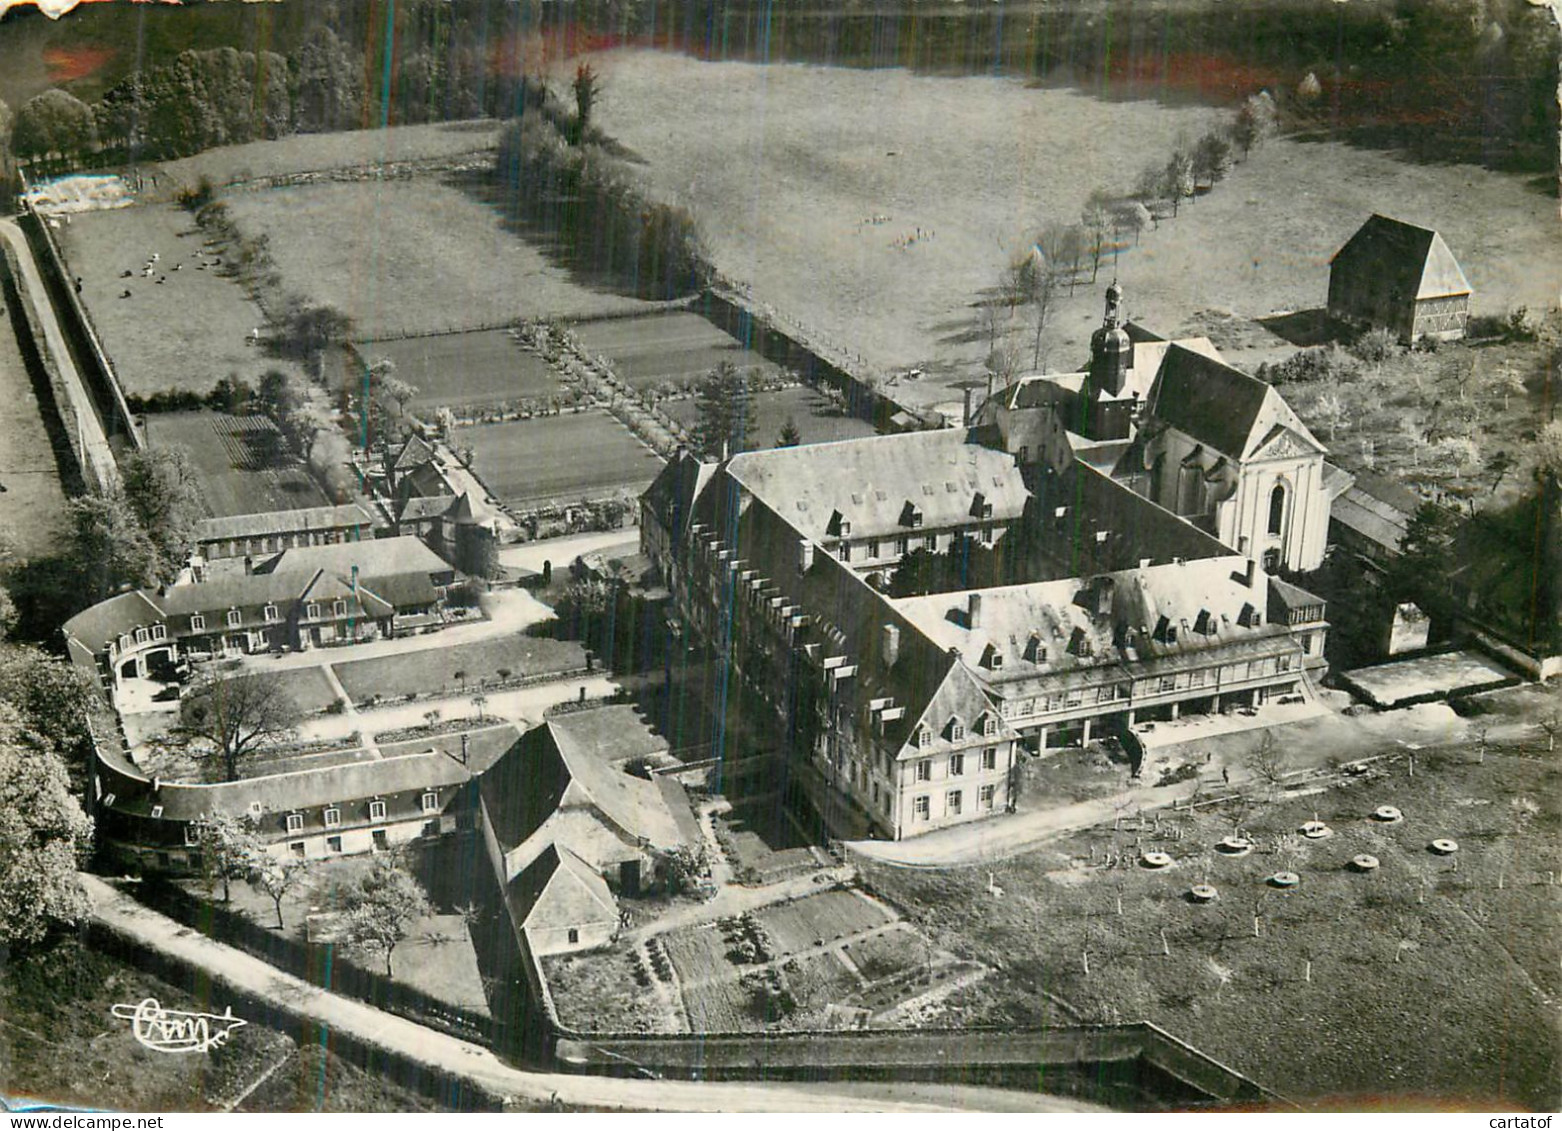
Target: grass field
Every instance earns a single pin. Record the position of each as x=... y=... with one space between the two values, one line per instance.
x=673 y=346
x=563 y=458
x=824 y=917
x=483 y=367
x=222 y=449
x=187 y=332
x=311 y=152
x=783 y=182
x=817 y=420
x=449 y=669
x=32 y=507
x=1430 y=976
x=406 y=257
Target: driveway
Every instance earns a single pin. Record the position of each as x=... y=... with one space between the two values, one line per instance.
x=562 y=551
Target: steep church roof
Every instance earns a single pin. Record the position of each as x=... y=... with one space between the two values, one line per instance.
x=1402 y=259
x=1221 y=407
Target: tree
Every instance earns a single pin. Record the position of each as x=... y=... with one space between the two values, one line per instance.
x=239 y=714
x=1256 y=120
x=587 y=87
x=1331 y=413
x=53 y=123
x=51 y=696
x=1268 y=763
x=789 y=436
x=44 y=837
x=8 y=615
x=380 y=909
x=1132 y=216
x=726 y=412
x=1211 y=158
x=1550 y=725
x=1177 y=178
x=276 y=876
x=1096 y=222
x=328 y=85
x=230 y=848
x=106 y=547
x=1426 y=555
x=479 y=701
x=163 y=489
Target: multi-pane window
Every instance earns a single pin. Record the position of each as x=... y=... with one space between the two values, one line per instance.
x=925 y=770
x=235 y=618
x=271 y=614
x=333 y=817
x=956 y=765
x=376 y=810
x=339 y=607
x=873 y=548
x=197 y=623
x=159 y=632
x=956 y=731
x=920 y=808
x=312 y=610
x=846 y=551
x=333 y=844
x=990 y=758
x=140 y=636
x=952 y=803
x=295 y=822
x=988 y=793
x=989 y=726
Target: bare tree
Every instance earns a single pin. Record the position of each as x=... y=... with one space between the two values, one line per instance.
x=239 y=715
x=1550 y=726
x=1177 y=179
x=1268 y=763
x=1096 y=222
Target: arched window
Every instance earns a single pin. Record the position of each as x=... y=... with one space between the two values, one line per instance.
x=1276 y=508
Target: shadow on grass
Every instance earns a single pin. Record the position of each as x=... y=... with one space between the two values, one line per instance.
x=1314 y=327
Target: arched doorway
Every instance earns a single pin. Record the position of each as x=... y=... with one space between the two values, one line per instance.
x=1277 y=510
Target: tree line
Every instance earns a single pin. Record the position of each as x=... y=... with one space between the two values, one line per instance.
x=1059 y=252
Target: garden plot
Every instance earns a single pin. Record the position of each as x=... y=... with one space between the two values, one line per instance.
x=183 y=327
x=481 y=369
x=817 y=418
x=699 y=954
x=238 y=473
x=721 y=1007
x=888 y=954
x=409 y=257
x=561 y=459
x=821 y=918
x=672 y=348
x=818 y=981
x=461 y=668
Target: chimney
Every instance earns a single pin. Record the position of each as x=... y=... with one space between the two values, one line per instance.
x=805 y=555
x=249 y=565
x=465 y=753
x=1250 y=572
x=967 y=418
x=889 y=645
x=973 y=612
x=355 y=581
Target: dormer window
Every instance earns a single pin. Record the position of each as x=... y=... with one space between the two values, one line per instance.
x=235 y=618
x=989 y=726
x=429 y=802
x=924 y=736
x=376 y=810
x=312 y=610
x=846 y=527
x=141 y=636
x=956 y=730
x=271 y=614
x=159 y=632
x=339 y=607
x=1035 y=650
x=911 y=515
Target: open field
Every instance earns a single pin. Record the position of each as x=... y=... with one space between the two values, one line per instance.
x=451 y=669
x=818 y=421
x=980 y=162
x=407 y=257
x=563 y=458
x=675 y=346
x=223 y=450
x=1430 y=971
x=483 y=367
x=186 y=332
x=302 y=153
x=32 y=507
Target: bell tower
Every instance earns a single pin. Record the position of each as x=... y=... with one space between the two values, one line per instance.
x=1111 y=349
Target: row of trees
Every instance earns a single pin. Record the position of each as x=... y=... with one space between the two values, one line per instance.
x=1059 y=251
x=376 y=911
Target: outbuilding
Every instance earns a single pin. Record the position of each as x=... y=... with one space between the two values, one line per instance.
x=1400 y=277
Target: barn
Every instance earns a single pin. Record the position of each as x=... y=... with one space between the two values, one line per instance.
x=1400 y=277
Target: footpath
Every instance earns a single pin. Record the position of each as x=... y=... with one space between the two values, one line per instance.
x=123 y=916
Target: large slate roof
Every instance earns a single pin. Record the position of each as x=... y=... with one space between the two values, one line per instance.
x=1402 y=259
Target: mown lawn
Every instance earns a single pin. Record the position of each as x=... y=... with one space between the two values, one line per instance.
x=558 y=458
x=1431 y=976
x=481 y=368
x=452 y=669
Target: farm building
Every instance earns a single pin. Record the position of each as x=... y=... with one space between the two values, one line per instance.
x=1400 y=277
x=560 y=903
x=235 y=536
x=1100 y=607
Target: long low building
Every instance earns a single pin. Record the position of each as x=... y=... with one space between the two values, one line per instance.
x=297 y=599
x=240 y=535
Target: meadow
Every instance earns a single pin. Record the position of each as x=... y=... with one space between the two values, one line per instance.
x=676 y=346
x=818 y=421
x=1425 y=974
x=876 y=208
x=558 y=458
x=187 y=326
x=411 y=257
x=235 y=478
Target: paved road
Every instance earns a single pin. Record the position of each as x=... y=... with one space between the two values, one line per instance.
x=230 y=967
x=99 y=457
